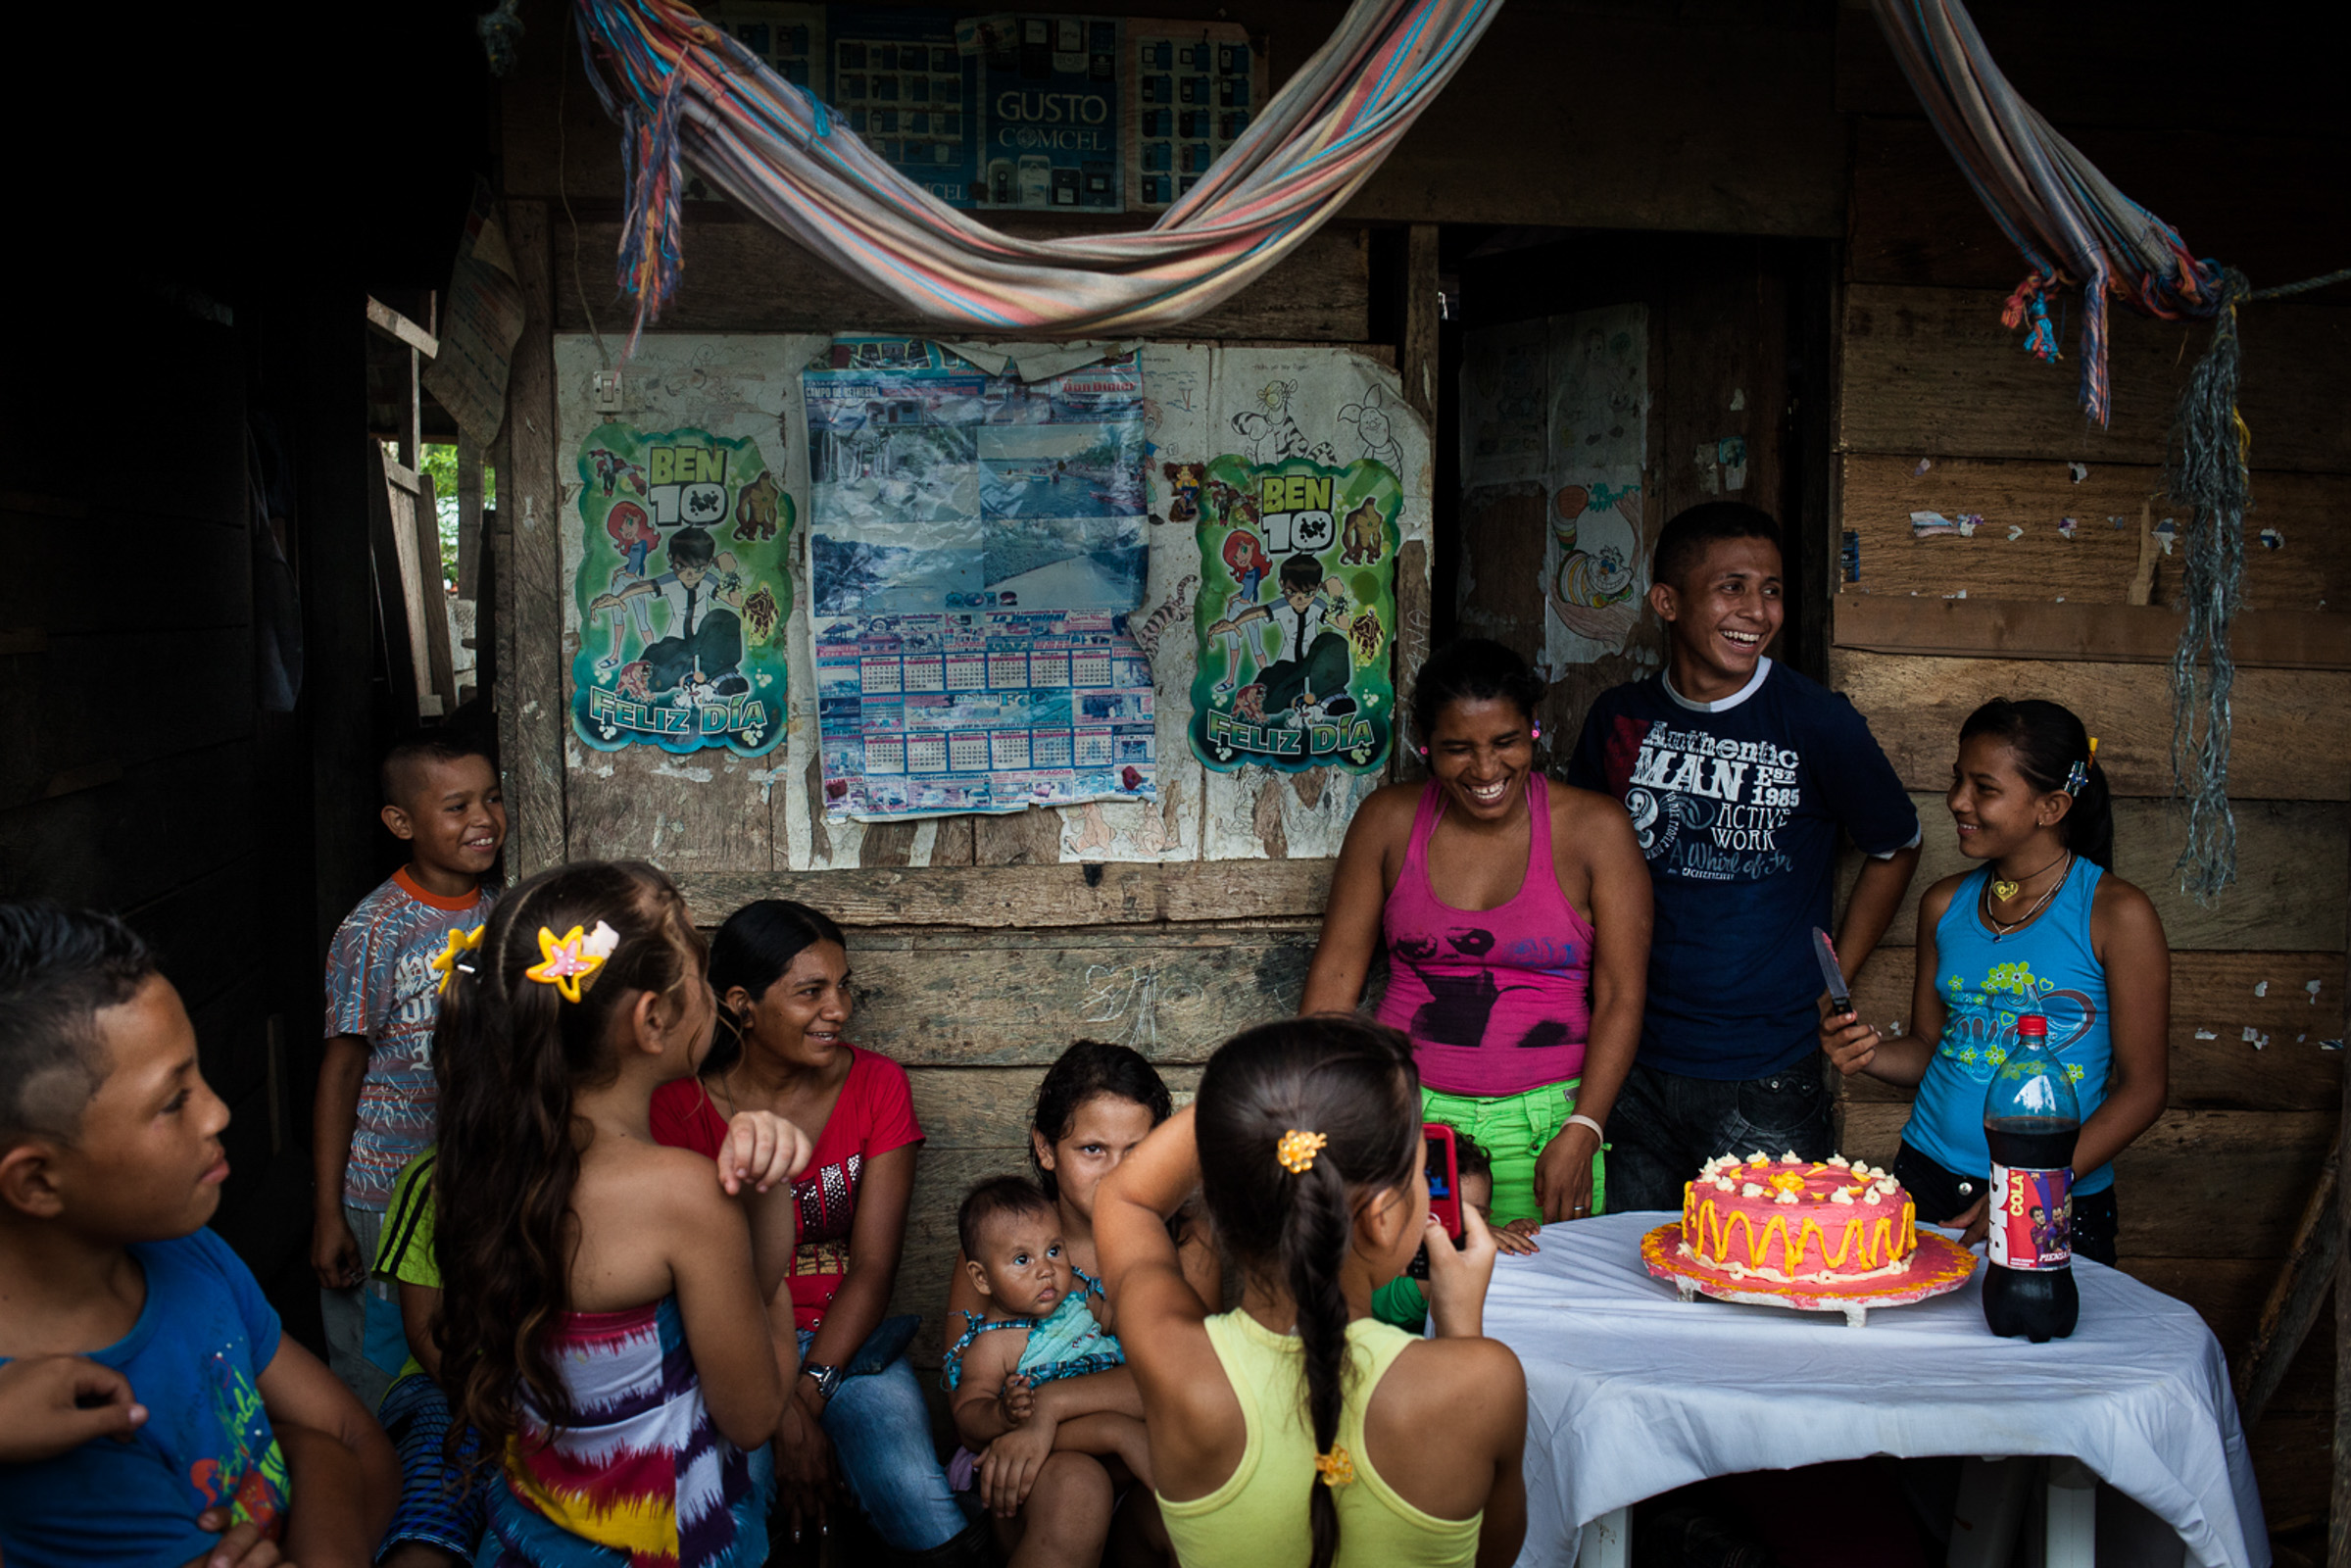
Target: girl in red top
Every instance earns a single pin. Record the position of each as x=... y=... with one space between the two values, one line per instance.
x=780 y=972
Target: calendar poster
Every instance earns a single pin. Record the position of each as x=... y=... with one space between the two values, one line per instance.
x=977 y=546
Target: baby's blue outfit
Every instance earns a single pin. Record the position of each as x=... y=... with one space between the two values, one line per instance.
x=1067 y=1342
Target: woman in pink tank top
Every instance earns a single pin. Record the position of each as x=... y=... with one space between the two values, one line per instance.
x=1514 y=915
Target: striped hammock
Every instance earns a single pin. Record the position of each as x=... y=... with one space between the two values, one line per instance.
x=683 y=88
x=2067 y=218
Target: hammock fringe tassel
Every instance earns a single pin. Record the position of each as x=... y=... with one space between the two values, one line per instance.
x=2210 y=450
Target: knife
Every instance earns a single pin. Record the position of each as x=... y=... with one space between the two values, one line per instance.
x=1839 y=992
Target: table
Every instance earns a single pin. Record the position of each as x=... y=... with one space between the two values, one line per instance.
x=1631 y=1392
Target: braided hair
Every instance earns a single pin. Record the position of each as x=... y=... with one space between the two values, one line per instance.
x=1291 y=1222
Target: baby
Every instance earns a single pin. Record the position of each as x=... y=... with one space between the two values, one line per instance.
x=1037 y=1367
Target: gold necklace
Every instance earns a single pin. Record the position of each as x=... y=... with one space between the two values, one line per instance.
x=2004 y=890
x=2000 y=929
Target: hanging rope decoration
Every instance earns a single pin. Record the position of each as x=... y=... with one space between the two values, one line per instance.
x=2075 y=227
x=685 y=92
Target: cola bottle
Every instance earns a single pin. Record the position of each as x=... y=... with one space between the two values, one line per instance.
x=2031 y=1120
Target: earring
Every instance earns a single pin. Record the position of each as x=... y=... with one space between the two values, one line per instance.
x=1424 y=753
x=1538 y=732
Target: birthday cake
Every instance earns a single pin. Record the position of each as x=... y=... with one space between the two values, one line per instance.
x=1790 y=1221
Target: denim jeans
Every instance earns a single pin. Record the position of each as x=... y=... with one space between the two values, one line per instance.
x=1665 y=1126
x=881 y=1432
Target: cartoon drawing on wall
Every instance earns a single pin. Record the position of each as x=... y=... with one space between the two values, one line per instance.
x=1183 y=492
x=1596 y=568
x=1295 y=619
x=1597 y=534
x=1372 y=423
x=1272 y=432
x=689 y=657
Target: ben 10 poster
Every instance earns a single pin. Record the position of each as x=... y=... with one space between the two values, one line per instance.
x=683 y=593
x=1297 y=613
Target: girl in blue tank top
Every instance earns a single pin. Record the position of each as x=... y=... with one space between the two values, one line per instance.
x=2041 y=926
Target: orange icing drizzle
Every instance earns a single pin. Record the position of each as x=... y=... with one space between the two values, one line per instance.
x=1710 y=1234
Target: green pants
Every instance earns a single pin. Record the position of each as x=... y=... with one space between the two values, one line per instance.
x=1513 y=1130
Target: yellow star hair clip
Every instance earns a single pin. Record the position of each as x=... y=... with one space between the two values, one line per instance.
x=1335 y=1468
x=572 y=957
x=1297 y=1151
x=461 y=941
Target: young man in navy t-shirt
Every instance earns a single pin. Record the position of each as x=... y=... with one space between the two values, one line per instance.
x=1739 y=776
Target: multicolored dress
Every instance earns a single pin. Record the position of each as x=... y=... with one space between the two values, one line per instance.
x=643 y=1479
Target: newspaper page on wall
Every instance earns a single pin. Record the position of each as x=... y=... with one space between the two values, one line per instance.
x=977 y=545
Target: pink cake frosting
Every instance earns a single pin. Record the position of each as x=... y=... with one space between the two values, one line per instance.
x=1788 y=1220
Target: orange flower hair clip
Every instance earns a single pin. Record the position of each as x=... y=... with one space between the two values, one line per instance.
x=1335 y=1468
x=572 y=957
x=1297 y=1151
x=461 y=941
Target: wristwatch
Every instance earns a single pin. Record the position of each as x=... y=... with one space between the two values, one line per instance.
x=828 y=1378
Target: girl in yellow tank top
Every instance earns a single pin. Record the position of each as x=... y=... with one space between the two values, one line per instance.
x=1298 y=1429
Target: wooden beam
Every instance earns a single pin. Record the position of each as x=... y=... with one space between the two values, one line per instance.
x=390 y=568
x=2291 y=870
x=1030 y=896
x=432 y=598
x=2123 y=634
x=1932 y=373
x=2294 y=1300
x=745 y=277
x=2288 y=743
x=2296 y=556
x=390 y=324
x=469 y=518
x=1417 y=375
x=2339 y=1523
x=532 y=701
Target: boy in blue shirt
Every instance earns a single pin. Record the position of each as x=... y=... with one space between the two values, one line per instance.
x=110 y=1166
x=1739 y=776
x=374 y=1106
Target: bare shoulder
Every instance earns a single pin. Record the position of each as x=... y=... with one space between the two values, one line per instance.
x=1389 y=808
x=1937 y=897
x=1382 y=824
x=658 y=1184
x=2126 y=906
x=1586 y=813
x=1430 y=1375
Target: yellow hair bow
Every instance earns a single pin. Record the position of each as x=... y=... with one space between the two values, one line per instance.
x=1335 y=1468
x=573 y=956
x=1297 y=1151
x=461 y=941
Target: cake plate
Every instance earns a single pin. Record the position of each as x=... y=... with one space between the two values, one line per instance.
x=1940 y=1264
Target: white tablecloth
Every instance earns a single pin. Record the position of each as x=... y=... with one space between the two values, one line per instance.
x=1631 y=1392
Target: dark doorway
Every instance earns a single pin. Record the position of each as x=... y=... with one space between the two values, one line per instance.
x=1598 y=382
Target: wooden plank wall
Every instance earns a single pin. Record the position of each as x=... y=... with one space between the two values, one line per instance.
x=979 y=952
x=1941 y=411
